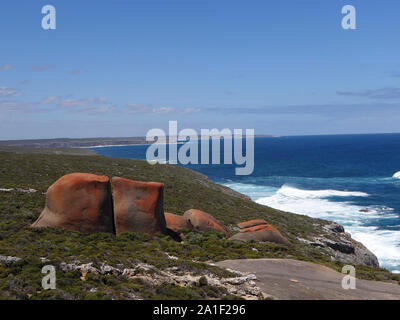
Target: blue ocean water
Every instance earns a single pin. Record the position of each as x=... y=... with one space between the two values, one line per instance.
x=343 y=178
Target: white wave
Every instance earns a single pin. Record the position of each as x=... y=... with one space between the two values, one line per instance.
x=397 y=175
x=313 y=194
x=314 y=203
x=385 y=244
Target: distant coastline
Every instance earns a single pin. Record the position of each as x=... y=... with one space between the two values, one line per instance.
x=115 y=145
x=85 y=142
x=74 y=143
x=124 y=141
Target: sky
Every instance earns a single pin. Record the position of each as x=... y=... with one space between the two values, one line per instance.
x=120 y=68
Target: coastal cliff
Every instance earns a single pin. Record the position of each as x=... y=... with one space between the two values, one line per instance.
x=92 y=258
x=342 y=247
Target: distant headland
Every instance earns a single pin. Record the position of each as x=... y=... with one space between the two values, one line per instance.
x=81 y=142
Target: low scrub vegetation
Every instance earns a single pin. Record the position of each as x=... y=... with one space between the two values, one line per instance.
x=184 y=189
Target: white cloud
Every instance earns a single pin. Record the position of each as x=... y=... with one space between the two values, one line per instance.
x=9 y=92
x=12 y=105
x=134 y=108
x=6 y=67
x=49 y=100
x=96 y=110
x=191 y=110
x=79 y=71
x=164 y=110
x=86 y=102
x=377 y=94
x=42 y=68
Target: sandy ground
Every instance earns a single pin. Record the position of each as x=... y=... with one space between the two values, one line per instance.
x=286 y=279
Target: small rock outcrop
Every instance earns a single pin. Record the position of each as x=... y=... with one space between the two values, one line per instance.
x=176 y=223
x=138 y=206
x=251 y=223
x=8 y=260
x=78 y=201
x=204 y=221
x=240 y=284
x=259 y=230
x=342 y=247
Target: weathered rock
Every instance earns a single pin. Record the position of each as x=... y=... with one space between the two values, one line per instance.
x=107 y=269
x=260 y=227
x=240 y=280
x=261 y=233
x=138 y=206
x=76 y=265
x=78 y=201
x=335 y=227
x=8 y=260
x=251 y=223
x=363 y=256
x=176 y=223
x=341 y=247
x=170 y=257
x=289 y=279
x=30 y=190
x=203 y=221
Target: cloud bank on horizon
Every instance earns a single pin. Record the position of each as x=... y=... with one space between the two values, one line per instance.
x=121 y=68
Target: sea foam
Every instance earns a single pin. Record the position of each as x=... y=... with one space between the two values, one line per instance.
x=334 y=205
x=397 y=175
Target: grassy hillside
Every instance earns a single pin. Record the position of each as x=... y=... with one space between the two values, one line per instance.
x=184 y=189
x=36 y=150
x=72 y=143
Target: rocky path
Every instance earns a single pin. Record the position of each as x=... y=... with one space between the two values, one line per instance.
x=286 y=279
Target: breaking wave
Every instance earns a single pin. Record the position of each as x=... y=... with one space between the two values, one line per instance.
x=397 y=175
x=334 y=205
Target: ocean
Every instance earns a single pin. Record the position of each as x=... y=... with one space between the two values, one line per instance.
x=344 y=178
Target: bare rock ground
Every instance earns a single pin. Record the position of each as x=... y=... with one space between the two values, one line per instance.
x=287 y=279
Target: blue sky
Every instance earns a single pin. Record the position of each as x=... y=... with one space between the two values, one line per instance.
x=120 y=68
